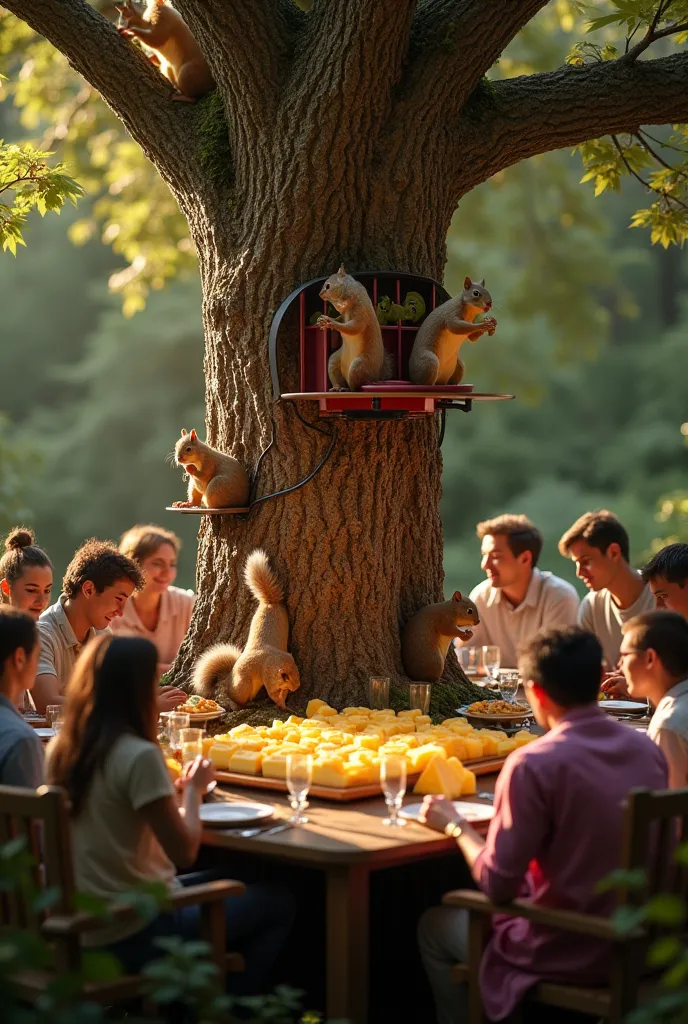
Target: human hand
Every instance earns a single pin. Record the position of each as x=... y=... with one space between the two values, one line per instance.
x=615 y=686
x=437 y=812
x=199 y=774
x=169 y=698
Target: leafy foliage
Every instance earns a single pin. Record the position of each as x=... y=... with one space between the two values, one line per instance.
x=27 y=182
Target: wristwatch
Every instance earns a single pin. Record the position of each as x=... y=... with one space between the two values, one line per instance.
x=454 y=829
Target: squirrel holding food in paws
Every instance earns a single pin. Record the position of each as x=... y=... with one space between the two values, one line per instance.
x=435 y=354
x=216 y=480
x=362 y=358
x=428 y=634
x=238 y=676
x=175 y=51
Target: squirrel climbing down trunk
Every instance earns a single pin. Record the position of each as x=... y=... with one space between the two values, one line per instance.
x=234 y=677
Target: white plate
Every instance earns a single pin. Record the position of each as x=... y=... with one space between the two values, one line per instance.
x=221 y=814
x=203 y=716
x=629 y=707
x=45 y=732
x=472 y=812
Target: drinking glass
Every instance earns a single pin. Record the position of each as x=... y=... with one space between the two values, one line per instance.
x=176 y=721
x=299 y=776
x=509 y=682
x=419 y=697
x=378 y=693
x=393 y=780
x=54 y=713
x=191 y=744
x=491 y=661
x=471 y=660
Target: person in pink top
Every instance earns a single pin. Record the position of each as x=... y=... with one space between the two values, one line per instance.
x=555 y=834
x=159 y=612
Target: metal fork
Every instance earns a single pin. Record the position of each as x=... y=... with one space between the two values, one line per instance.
x=248 y=833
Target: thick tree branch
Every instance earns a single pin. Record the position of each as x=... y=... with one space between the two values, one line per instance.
x=515 y=119
x=137 y=93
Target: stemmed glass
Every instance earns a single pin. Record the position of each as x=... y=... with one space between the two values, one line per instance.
x=299 y=777
x=393 y=780
x=508 y=685
x=491 y=661
x=54 y=713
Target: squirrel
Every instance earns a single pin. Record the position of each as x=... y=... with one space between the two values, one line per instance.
x=175 y=51
x=435 y=354
x=428 y=633
x=362 y=358
x=216 y=480
x=237 y=676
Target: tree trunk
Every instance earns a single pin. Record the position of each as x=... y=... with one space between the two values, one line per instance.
x=359 y=548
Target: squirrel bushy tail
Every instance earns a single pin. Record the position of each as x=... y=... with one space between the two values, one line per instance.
x=261 y=580
x=217 y=662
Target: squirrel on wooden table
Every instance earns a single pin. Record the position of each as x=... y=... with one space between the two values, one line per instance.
x=216 y=480
x=362 y=358
x=227 y=673
x=175 y=51
x=428 y=634
x=435 y=353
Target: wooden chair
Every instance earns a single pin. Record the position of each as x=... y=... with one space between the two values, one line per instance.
x=651 y=822
x=42 y=819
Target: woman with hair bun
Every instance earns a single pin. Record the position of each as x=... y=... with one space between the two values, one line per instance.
x=160 y=612
x=26 y=573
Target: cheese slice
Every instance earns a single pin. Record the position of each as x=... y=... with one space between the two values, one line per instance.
x=441 y=778
x=314 y=706
x=220 y=754
x=247 y=762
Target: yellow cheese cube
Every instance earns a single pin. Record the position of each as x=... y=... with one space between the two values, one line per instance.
x=406 y=725
x=474 y=747
x=207 y=744
x=173 y=767
x=413 y=713
x=490 y=743
x=419 y=757
x=367 y=741
x=241 y=731
x=308 y=743
x=325 y=711
x=469 y=785
x=423 y=720
x=329 y=772
x=506 y=746
x=220 y=754
x=440 y=778
x=456 y=723
x=294 y=720
x=247 y=762
x=314 y=706
x=523 y=737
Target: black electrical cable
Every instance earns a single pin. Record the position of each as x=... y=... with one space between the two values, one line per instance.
x=443 y=424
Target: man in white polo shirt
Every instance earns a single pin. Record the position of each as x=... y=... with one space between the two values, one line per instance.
x=517 y=599
x=97 y=584
x=599 y=545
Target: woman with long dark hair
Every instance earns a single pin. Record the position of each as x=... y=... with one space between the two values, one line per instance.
x=127 y=828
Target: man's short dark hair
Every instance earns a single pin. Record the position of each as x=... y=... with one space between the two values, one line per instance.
x=599 y=530
x=566 y=663
x=521 y=534
x=17 y=629
x=664 y=632
x=670 y=564
x=100 y=562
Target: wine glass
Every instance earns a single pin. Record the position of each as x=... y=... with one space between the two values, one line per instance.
x=491 y=661
x=508 y=685
x=299 y=776
x=393 y=780
x=54 y=713
x=471 y=660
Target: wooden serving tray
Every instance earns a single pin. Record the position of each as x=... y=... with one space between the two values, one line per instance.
x=482 y=766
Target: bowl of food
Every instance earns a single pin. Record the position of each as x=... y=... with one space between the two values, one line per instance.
x=499 y=714
x=200 y=709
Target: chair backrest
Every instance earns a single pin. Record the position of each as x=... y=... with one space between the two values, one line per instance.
x=653 y=826
x=41 y=818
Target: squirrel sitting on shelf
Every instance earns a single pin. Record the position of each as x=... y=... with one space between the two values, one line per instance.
x=435 y=354
x=230 y=675
x=362 y=358
x=428 y=634
x=216 y=480
x=175 y=51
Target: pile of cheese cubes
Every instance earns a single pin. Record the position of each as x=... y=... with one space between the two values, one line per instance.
x=347 y=747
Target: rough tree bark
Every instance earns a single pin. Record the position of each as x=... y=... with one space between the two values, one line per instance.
x=350 y=133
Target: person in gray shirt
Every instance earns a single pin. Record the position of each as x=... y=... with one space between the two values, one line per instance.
x=21 y=751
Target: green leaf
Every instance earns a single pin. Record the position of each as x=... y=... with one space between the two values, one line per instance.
x=664 y=951
x=99 y=966
x=667 y=910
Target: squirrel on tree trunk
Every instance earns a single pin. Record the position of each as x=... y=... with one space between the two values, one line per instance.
x=427 y=635
x=362 y=358
x=216 y=480
x=228 y=674
x=175 y=51
x=435 y=353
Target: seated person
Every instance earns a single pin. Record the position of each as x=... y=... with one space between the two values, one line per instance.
x=127 y=826
x=517 y=599
x=21 y=751
x=667 y=577
x=96 y=587
x=26 y=580
x=557 y=831
x=654 y=659
x=599 y=545
x=158 y=612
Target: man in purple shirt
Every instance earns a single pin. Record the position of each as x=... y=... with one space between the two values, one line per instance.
x=556 y=832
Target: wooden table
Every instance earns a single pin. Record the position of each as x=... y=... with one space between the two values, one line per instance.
x=346 y=842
